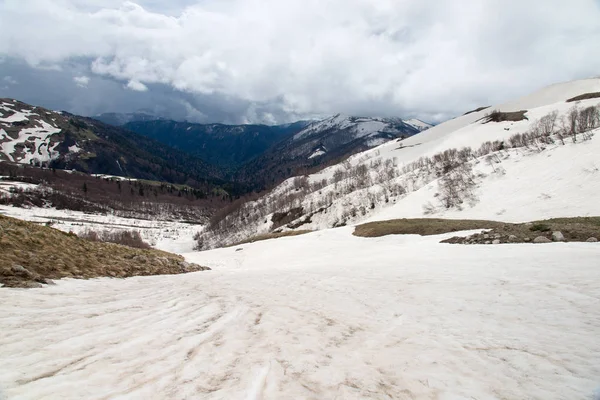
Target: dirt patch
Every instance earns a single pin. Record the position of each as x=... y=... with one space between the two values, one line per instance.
x=282 y=218
x=31 y=255
x=421 y=226
x=501 y=116
x=267 y=236
x=585 y=96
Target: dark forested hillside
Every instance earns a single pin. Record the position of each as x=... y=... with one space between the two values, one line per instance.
x=227 y=146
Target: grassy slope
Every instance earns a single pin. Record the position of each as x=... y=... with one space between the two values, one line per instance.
x=46 y=253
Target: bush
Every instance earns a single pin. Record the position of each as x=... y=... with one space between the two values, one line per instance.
x=125 y=238
x=539 y=227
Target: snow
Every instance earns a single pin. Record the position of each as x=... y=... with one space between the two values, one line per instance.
x=561 y=181
x=317 y=154
x=359 y=127
x=393 y=317
x=418 y=124
x=172 y=236
x=38 y=137
x=74 y=149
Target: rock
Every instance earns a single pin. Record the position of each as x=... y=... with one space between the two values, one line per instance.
x=488 y=242
x=527 y=240
x=22 y=272
x=486 y=236
x=557 y=236
x=240 y=249
x=496 y=241
x=542 y=239
x=497 y=236
x=30 y=285
x=512 y=238
x=592 y=240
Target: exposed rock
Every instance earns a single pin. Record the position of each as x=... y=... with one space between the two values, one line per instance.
x=22 y=272
x=513 y=238
x=557 y=236
x=488 y=242
x=496 y=241
x=592 y=240
x=30 y=285
x=527 y=240
x=542 y=239
x=240 y=249
x=486 y=236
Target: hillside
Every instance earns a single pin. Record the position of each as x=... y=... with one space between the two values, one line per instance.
x=31 y=255
x=323 y=143
x=36 y=136
x=228 y=146
x=532 y=158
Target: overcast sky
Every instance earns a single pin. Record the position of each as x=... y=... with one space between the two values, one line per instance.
x=273 y=61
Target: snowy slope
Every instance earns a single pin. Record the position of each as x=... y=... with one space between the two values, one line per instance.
x=360 y=127
x=553 y=179
x=321 y=316
x=36 y=143
x=417 y=123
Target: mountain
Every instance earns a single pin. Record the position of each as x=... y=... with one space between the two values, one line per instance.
x=120 y=119
x=228 y=146
x=37 y=136
x=322 y=143
x=531 y=158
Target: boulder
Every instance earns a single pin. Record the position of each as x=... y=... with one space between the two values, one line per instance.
x=592 y=240
x=513 y=238
x=557 y=236
x=542 y=239
x=527 y=240
x=22 y=272
x=496 y=241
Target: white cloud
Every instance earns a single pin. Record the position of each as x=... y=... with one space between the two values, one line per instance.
x=136 y=85
x=425 y=58
x=10 y=80
x=81 y=81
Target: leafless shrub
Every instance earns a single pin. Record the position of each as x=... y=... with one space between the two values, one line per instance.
x=125 y=238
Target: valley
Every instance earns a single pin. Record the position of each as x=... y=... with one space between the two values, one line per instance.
x=351 y=258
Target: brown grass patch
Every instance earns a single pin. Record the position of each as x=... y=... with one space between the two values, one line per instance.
x=578 y=229
x=476 y=110
x=420 y=226
x=273 y=235
x=31 y=254
x=502 y=116
x=585 y=96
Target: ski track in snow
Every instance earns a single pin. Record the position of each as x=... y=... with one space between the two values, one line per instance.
x=323 y=315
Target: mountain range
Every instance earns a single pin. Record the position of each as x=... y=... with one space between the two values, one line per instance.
x=138 y=145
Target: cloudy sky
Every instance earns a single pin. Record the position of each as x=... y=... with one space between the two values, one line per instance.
x=273 y=61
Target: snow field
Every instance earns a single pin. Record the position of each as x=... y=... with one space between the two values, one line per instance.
x=323 y=315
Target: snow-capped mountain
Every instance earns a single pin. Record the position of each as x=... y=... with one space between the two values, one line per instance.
x=534 y=157
x=37 y=136
x=324 y=142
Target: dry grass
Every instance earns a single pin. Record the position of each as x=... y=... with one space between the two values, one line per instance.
x=420 y=226
x=577 y=229
x=584 y=96
x=502 y=116
x=273 y=235
x=125 y=238
x=476 y=110
x=31 y=254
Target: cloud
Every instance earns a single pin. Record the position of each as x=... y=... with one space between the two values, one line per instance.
x=10 y=80
x=81 y=81
x=136 y=85
x=430 y=59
